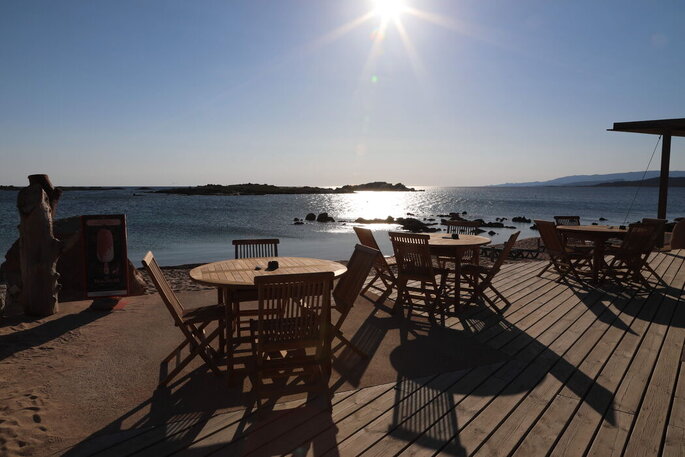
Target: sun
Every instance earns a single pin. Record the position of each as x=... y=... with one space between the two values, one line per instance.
x=389 y=9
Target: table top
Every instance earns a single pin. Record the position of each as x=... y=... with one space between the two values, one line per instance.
x=241 y=272
x=444 y=239
x=609 y=229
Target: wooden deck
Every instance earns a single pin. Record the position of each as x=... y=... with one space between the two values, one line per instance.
x=587 y=372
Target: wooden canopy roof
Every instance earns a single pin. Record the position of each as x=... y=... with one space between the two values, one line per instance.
x=671 y=127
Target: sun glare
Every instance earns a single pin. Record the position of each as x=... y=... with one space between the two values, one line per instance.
x=389 y=9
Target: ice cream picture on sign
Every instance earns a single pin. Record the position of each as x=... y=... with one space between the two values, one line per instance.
x=105 y=249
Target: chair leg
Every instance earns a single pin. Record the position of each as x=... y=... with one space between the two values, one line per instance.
x=492 y=304
x=197 y=349
x=401 y=295
x=387 y=279
x=368 y=286
x=658 y=278
x=440 y=298
x=181 y=346
x=204 y=349
x=389 y=283
x=338 y=334
x=499 y=294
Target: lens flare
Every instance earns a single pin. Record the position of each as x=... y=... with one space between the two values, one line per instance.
x=389 y=9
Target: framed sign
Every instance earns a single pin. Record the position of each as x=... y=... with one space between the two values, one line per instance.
x=106 y=256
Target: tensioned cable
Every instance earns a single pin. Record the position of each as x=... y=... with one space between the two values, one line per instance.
x=641 y=180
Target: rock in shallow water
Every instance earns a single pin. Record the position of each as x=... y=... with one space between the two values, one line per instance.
x=324 y=217
x=416 y=226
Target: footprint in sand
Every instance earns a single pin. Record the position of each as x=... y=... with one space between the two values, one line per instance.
x=21 y=427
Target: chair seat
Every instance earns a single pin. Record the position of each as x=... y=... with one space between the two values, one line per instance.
x=203 y=314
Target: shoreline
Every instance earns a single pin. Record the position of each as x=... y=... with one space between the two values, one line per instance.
x=180 y=281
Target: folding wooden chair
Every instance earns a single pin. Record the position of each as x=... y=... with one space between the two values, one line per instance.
x=349 y=286
x=244 y=249
x=631 y=257
x=291 y=336
x=414 y=263
x=192 y=322
x=382 y=266
x=479 y=278
x=565 y=260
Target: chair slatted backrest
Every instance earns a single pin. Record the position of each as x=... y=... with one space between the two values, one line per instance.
x=350 y=284
x=168 y=296
x=413 y=255
x=639 y=238
x=293 y=308
x=567 y=220
x=508 y=246
x=367 y=239
x=462 y=227
x=245 y=249
x=678 y=235
x=550 y=237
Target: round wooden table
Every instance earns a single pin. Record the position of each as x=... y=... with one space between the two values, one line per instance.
x=235 y=279
x=598 y=234
x=240 y=273
x=443 y=244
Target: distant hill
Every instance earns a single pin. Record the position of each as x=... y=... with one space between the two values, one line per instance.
x=380 y=186
x=593 y=180
x=268 y=189
x=248 y=189
x=653 y=182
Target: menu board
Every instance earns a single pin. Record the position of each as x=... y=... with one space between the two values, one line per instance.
x=106 y=257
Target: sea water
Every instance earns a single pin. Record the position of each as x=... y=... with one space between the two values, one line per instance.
x=183 y=229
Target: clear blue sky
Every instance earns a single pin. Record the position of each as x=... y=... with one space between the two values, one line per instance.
x=280 y=91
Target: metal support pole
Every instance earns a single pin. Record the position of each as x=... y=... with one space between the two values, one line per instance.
x=663 y=179
x=663 y=182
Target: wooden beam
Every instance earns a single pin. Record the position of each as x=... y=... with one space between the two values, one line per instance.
x=663 y=178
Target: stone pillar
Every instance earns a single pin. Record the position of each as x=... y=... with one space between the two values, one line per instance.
x=39 y=250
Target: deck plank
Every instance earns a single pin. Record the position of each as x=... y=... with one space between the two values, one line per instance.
x=649 y=429
x=580 y=363
x=560 y=327
x=562 y=418
x=588 y=371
